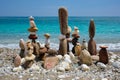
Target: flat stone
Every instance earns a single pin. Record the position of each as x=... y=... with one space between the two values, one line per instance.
x=50 y=62
x=95 y=58
x=103 y=47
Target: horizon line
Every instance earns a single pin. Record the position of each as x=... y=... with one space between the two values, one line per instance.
x=57 y=16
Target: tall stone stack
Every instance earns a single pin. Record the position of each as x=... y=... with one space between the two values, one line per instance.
x=63 y=20
x=32 y=30
x=92 y=44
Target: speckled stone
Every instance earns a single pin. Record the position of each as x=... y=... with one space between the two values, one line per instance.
x=17 y=60
x=85 y=57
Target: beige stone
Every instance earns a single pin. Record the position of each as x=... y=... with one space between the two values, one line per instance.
x=65 y=65
x=95 y=58
x=85 y=67
x=85 y=57
x=22 y=44
x=59 y=57
x=71 y=55
x=32 y=57
x=29 y=58
x=78 y=49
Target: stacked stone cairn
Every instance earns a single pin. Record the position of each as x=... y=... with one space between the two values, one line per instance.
x=65 y=59
x=75 y=41
x=63 y=20
x=92 y=44
x=32 y=30
x=27 y=53
x=85 y=53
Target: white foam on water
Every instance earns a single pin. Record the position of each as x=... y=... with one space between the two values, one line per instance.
x=111 y=46
x=11 y=46
x=54 y=46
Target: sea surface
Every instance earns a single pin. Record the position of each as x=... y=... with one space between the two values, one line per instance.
x=12 y=29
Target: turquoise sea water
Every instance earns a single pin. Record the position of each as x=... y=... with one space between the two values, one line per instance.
x=12 y=29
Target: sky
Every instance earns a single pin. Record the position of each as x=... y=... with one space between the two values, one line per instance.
x=50 y=7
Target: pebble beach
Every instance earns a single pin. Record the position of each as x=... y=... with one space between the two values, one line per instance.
x=111 y=71
x=56 y=40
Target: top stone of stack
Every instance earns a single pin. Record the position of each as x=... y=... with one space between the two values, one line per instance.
x=33 y=27
x=91 y=29
x=63 y=20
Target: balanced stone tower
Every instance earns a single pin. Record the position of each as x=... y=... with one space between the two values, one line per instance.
x=92 y=44
x=63 y=20
x=33 y=29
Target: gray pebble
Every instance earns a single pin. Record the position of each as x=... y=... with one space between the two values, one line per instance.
x=116 y=64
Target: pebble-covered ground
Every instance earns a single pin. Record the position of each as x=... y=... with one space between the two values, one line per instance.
x=110 y=72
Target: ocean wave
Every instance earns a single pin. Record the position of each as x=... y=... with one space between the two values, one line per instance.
x=11 y=46
x=111 y=46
